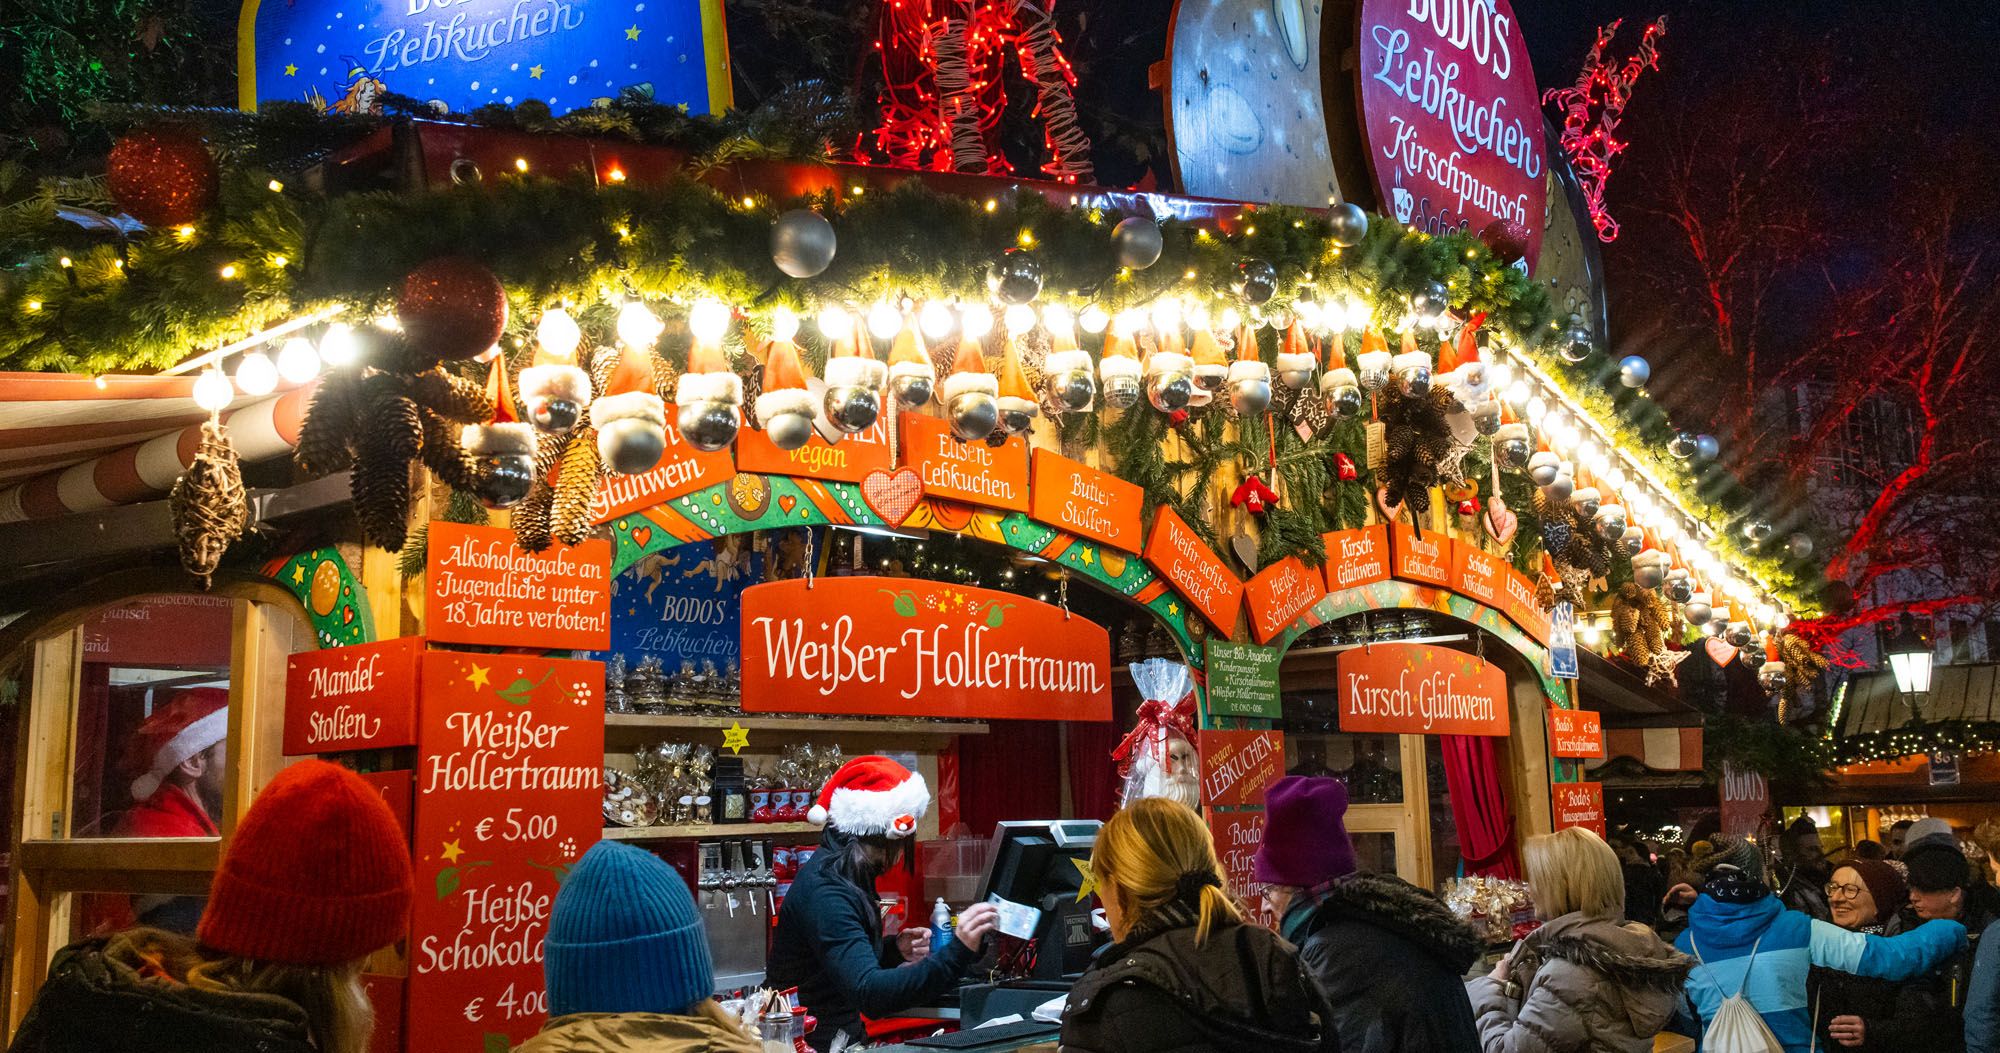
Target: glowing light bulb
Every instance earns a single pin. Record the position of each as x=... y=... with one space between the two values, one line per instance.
x=212 y=391
x=1056 y=318
x=1166 y=315
x=708 y=320
x=1198 y=317
x=835 y=323
x=337 y=346
x=1499 y=374
x=557 y=334
x=255 y=374
x=784 y=324
x=297 y=361
x=1536 y=410
x=1019 y=318
x=884 y=320
x=1230 y=318
x=936 y=320
x=1517 y=394
x=1310 y=314
x=638 y=327
x=976 y=320
x=1129 y=321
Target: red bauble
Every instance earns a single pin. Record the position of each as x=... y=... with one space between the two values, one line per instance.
x=452 y=307
x=1508 y=240
x=163 y=176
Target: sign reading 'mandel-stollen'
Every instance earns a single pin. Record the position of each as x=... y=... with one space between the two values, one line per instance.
x=1411 y=689
x=352 y=698
x=919 y=648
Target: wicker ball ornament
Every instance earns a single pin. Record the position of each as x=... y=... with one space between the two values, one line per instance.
x=453 y=307
x=162 y=176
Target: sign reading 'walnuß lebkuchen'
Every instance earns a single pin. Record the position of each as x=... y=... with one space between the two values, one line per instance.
x=1413 y=689
x=919 y=648
x=362 y=697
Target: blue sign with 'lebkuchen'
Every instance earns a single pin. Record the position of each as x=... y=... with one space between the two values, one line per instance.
x=458 y=55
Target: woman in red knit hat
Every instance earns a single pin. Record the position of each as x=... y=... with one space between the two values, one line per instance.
x=316 y=879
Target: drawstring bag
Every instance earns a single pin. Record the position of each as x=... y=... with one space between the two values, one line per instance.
x=1157 y=757
x=1738 y=1027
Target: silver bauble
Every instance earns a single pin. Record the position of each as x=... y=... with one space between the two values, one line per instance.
x=1696 y=609
x=503 y=481
x=1576 y=344
x=1633 y=371
x=789 y=431
x=1137 y=242
x=1209 y=380
x=1415 y=379
x=1256 y=280
x=1296 y=379
x=852 y=408
x=1799 y=546
x=1513 y=454
x=1169 y=391
x=1431 y=301
x=1633 y=541
x=708 y=424
x=1757 y=530
x=1543 y=470
x=1707 y=447
x=1648 y=575
x=1739 y=634
x=1072 y=390
x=631 y=446
x=1559 y=488
x=1345 y=400
x=1373 y=371
x=1773 y=676
x=1610 y=522
x=1122 y=390
x=973 y=415
x=1587 y=501
x=1250 y=396
x=1679 y=589
x=911 y=391
x=1718 y=626
x=1015 y=277
x=802 y=243
x=1681 y=445
x=554 y=415
x=1486 y=417
x=1753 y=657
x=1349 y=224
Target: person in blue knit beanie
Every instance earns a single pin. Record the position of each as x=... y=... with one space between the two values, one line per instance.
x=627 y=963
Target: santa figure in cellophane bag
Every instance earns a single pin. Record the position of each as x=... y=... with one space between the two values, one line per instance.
x=1157 y=757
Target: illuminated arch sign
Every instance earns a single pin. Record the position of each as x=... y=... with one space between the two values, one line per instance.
x=344 y=55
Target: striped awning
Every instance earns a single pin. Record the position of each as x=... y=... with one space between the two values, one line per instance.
x=72 y=443
x=1958 y=692
x=1661 y=749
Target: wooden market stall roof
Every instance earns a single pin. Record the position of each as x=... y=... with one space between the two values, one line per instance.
x=1969 y=693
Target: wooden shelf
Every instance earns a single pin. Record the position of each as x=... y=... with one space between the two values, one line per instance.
x=697 y=830
x=830 y=725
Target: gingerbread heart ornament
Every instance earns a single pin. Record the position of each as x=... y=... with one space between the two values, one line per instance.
x=892 y=495
x=1389 y=512
x=1501 y=522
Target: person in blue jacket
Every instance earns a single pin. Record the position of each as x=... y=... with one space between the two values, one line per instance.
x=1735 y=911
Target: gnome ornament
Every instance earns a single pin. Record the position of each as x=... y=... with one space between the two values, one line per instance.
x=1343 y=392
x=555 y=390
x=1296 y=360
x=1649 y=568
x=785 y=406
x=630 y=419
x=502 y=450
x=1374 y=363
x=854 y=384
x=1211 y=368
x=971 y=394
x=1169 y=380
x=1249 y=381
x=911 y=375
x=1119 y=370
x=710 y=398
x=1412 y=369
x=1016 y=402
x=1067 y=379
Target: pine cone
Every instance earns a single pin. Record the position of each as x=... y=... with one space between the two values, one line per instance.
x=381 y=488
x=389 y=422
x=531 y=518
x=395 y=353
x=208 y=504
x=326 y=434
x=442 y=453
x=603 y=362
x=576 y=486
x=452 y=397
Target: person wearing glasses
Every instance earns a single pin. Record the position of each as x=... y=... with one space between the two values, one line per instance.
x=1855 y=1012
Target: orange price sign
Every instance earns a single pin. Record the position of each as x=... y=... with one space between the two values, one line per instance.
x=1413 y=689
x=682 y=470
x=1578 y=804
x=1479 y=575
x=1424 y=558
x=485 y=590
x=1575 y=732
x=847 y=461
x=1182 y=558
x=1356 y=557
x=1073 y=496
x=1279 y=594
x=973 y=472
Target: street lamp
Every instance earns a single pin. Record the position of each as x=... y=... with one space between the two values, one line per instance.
x=1910 y=662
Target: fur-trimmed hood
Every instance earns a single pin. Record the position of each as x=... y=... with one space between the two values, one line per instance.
x=1396 y=906
x=1629 y=955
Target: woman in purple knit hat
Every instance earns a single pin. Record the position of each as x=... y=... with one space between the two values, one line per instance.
x=1390 y=956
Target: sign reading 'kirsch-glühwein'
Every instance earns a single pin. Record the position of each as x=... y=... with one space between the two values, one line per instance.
x=919 y=648
x=1412 y=689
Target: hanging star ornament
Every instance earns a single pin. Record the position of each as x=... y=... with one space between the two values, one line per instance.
x=1089 y=884
x=736 y=737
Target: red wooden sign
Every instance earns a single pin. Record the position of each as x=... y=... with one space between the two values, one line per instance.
x=510 y=786
x=165 y=631
x=385 y=993
x=352 y=698
x=1746 y=799
x=1424 y=558
x=1451 y=116
x=972 y=472
x=1356 y=557
x=1478 y=574
x=1279 y=594
x=1073 y=496
x=682 y=470
x=1182 y=558
x=1238 y=766
x=847 y=461
x=1575 y=732
x=1517 y=600
x=485 y=590
x=1237 y=835
x=1578 y=804
x=398 y=789
x=1412 y=689
x=918 y=648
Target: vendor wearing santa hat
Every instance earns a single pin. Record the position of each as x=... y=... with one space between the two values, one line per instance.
x=829 y=941
x=176 y=763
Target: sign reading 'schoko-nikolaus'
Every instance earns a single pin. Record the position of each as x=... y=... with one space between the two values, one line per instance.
x=1451 y=116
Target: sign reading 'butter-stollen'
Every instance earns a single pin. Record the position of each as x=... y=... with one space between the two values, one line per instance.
x=918 y=648
x=1424 y=558
x=1181 y=557
x=1073 y=496
x=1575 y=732
x=1278 y=594
x=1356 y=557
x=1238 y=766
x=1412 y=689
x=976 y=473
x=362 y=697
x=682 y=469
x=1243 y=680
x=485 y=590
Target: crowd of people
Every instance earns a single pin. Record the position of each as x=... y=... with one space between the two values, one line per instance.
x=1881 y=951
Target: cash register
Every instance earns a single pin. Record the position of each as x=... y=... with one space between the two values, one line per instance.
x=1047 y=937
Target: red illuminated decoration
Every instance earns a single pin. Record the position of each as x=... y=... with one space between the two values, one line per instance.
x=1592 y=110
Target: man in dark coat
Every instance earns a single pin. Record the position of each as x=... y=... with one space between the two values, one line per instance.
x=1390 y=957
x=1942 y=886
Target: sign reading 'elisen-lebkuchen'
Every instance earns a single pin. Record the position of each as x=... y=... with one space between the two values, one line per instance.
x=1186 y=561
x=1278 y=594
x=485 y=590
x=1073 y=496
x=1575 y=732
x=1412 y=689
x=1451 y=116
x=976 y=473
x=919 y=648
x=362 y=697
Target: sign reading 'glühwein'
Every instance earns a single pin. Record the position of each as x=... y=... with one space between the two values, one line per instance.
x=1243 y=680
x=1575 y=732
x=919 y=648
x=485 y=590
x=1238 y=766
x=362 y=697
x=1278 y=594
x=973 y=472
x=1356 y=557
x=682 y=469
x=1181 y=557
x=1412 y=689
x=1073 y=496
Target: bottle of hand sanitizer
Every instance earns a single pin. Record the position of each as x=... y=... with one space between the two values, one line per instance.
x=941 y=925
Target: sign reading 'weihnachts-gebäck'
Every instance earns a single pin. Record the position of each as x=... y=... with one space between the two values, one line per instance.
x=919 y=648
x=1451 y=116
x=1412 y=689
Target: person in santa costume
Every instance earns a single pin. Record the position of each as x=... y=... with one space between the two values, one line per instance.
x=829 y=941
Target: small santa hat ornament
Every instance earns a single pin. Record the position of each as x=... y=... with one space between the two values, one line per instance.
x=1296 y=360
x=1649 y=569
x=188 y=725
x=1586 y=499
x=1119 y=369
x=1512 y=446
x=631 y=420
x=971 y=393
x=1374 y=362
x=1412 y=368
x=1249 y=381
x=872 y=797
x=1018 y=407
x=785 y=406
x=1066 y=374
x=709 y=394
x=1169 y=379
x=911 y=375
x=1211 y=367
x=502 y=450
x=854 y=383
x=555 y=389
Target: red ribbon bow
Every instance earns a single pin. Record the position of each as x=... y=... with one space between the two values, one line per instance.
x=1158 y=721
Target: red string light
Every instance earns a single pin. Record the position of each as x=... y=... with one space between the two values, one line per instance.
x=1591 y=112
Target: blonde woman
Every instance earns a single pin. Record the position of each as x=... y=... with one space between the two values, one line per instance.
x=1585 y=980
x=1184 y=973
x=316 y=879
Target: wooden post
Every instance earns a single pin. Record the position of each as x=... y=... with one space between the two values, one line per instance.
x=42 y=790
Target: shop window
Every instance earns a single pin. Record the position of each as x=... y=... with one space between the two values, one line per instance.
x=1376 y=853
x=1370 y=765
x=1445 y=859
